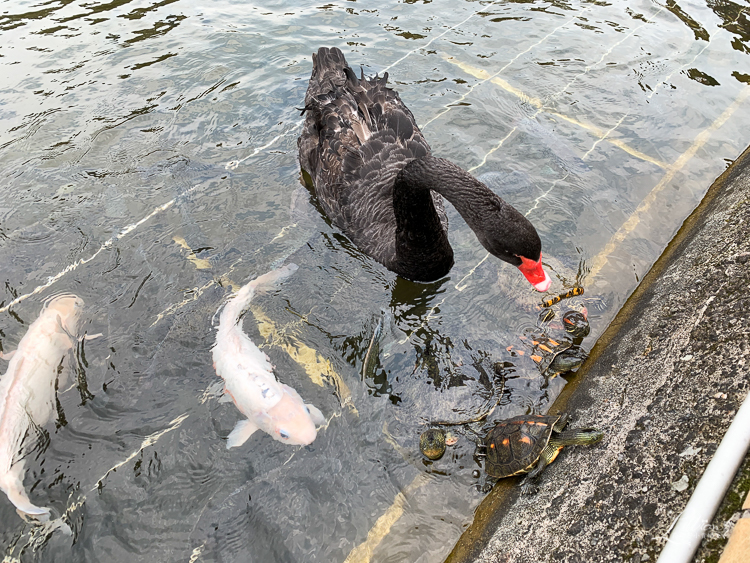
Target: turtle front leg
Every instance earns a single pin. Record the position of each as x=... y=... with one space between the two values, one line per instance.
x=548 y=455
x=487 y=482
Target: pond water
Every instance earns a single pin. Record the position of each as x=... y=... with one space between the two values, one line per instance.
x=148 y=160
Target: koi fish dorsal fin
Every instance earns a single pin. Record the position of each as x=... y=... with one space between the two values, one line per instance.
x=241 y=432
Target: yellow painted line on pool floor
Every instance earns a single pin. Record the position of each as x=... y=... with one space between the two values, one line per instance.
x=199 y=263
x=315 y=365
x=106 y=245
x=635 y=218
x=382 y=527
x=539 y=104
x=487 y=76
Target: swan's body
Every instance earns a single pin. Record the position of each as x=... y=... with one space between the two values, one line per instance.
x=376 y=179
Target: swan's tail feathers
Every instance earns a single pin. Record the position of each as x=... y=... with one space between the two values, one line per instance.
x=329 y=73
x=329 y=59
x=12 y=484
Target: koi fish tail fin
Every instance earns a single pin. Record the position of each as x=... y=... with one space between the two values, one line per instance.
x=274 y=277
x=246 y=293
x=12 y=484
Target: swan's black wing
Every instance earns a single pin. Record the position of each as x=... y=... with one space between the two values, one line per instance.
x=357 y=136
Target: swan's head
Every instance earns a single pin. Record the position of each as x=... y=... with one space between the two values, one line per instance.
x=534 y=272
x=508 y=235
x=516 y=242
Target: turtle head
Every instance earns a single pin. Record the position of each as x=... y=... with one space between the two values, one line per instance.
x=589 y=436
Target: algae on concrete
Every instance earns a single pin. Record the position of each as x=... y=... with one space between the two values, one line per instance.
x=730 y=510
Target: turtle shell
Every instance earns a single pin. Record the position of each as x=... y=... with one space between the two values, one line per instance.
x=567 y=361
x=544 y=349
x=514 y=445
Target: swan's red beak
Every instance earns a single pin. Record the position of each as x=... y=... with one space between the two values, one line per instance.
x=534 y=272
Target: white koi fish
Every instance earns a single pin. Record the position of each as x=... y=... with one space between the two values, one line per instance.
x=27 y=391
x=249 y=381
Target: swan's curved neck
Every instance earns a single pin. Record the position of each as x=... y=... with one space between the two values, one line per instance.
x=467 y=194
x=422 y=248
x=500 y=228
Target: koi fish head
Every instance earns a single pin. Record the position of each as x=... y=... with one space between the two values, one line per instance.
x=69 y=307
x=291 y=421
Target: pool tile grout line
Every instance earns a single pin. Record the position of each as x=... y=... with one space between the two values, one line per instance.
x=489 y=77
x=601 y=259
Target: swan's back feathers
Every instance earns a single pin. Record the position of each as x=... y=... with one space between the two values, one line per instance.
x=358 y=135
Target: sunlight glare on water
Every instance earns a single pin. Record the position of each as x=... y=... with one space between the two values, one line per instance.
x=604 y=122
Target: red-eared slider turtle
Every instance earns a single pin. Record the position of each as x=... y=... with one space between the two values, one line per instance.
x=576 y=323
x=432 y=443
x=554 y=356
x=560 y=354
x=527 y=444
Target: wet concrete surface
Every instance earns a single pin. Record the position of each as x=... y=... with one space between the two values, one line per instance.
x=664 y=383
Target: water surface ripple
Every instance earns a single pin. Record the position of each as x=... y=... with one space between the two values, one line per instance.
x=148 y=160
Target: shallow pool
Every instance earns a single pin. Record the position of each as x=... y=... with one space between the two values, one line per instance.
x=149 y=164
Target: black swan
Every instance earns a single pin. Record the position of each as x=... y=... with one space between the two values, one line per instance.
x=374 y=176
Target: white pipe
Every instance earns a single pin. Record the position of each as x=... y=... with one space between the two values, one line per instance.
x=708 y=494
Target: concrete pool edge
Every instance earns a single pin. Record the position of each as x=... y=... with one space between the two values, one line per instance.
x=577 y=394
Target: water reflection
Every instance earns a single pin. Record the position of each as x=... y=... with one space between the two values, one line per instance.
x=118 y=121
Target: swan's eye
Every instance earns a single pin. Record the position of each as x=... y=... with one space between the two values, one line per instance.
x=284 y=434
x=307 y=409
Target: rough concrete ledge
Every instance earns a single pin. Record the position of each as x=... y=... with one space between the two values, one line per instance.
x=665 y=381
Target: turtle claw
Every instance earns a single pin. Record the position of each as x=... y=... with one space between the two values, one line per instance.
x=529 y=489
x=486 y=485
